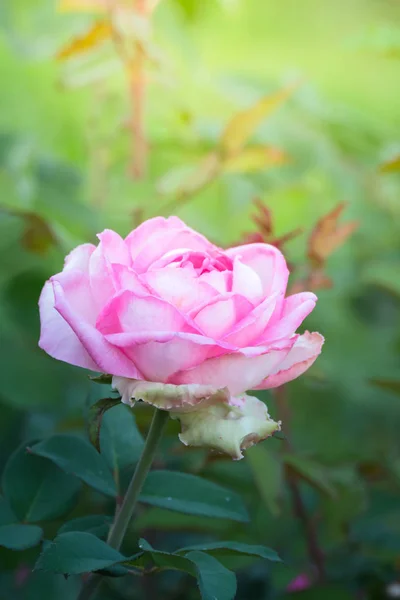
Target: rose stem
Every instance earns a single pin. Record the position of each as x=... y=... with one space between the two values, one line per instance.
x=314 y=551
x=124 y=515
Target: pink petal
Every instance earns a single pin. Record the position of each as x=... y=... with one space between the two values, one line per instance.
x=221 y=281
x=236 y=371
x=56 y=336
x=111 y=250
x=108 y=358
x=246 y=281
x=127 y=312
x=179 y=286
x=220 y=316
x=303 y=354
x=126 y=278
x=163 y=242
x=79 y=257
x=140 y=236
x=295 y=309
x=248 y=331
x=267 y=261
x=159 y=360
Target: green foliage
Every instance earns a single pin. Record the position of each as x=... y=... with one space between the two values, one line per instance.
x=20 y=537
x=36 y=489
x=192 y=495
x=76 y=456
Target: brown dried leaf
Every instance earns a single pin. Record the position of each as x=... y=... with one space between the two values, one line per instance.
x=327 y=236
x=98 y=33
x=37 y=236
x=243 y=124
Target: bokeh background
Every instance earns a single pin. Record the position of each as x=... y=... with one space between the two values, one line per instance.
x=105 y=131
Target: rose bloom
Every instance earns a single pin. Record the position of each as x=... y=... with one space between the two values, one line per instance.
x=166 y=306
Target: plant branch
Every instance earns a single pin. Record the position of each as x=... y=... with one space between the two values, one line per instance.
x=314 y=551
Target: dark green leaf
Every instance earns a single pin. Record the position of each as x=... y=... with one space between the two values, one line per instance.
x=36 y=489
x=20 y=537
x=6 y=514
x=326 y=592
x=95 y=417
x=75 y=455
x=215 y=581
x=192 y=495
x=219 y=549
x=313 y=473
x=97 y=525
x=77 y=552
x=162 y=560
x=120 y=440
x=390 y=385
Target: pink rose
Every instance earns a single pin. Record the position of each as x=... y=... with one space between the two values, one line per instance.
x=166 y=305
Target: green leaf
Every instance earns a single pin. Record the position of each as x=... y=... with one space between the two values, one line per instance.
x=95 y=417
x=77 y=552
x=313 y=473
x=36 y=489
x=223 y=549
x=20 y=537
x=7 y=516
x=267 y=472
x=120 y=440
x=75 y=455
x=97 y=525
x=215 y=581
x=192 y=495
x=103 y=379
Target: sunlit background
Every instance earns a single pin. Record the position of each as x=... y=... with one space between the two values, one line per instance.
x=113 y=114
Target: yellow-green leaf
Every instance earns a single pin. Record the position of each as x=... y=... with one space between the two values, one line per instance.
x=98 y=33
x=392 y=165
x=243 y=124
x=254 y=158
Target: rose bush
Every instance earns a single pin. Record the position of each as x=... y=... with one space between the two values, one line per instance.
x=164 y=305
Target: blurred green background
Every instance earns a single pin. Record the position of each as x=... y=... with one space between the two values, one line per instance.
x=65 y=156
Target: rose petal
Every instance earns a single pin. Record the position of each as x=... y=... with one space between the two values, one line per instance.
x=246 y=281
x=127 y=312
x=179 y=286
x=228 y=427
x=295 y=309
x=111 y=249
x=303 y=354
x=220 y=316
x=221 y=281
x=165 y=396
x=267 y=262
x=67 y=292
x=248 y=331
x=79 y=258
x=239 y=371
x=56 y=336
x=140 y=236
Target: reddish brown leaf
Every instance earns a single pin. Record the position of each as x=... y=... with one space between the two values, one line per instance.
x=327 y=236
x=37 y=236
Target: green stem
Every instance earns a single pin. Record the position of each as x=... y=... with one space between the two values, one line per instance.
x=124 y=515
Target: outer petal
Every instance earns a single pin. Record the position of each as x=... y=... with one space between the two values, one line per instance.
x=111 y=250
x=128 y=312
x=267 y=261
x=78 y=258
x=303 y=354
x=165 y=396
x=295 y=310
x=160 y=354
x=239 y=371
x=248 y=331
x=228 y=427
x=108 y=358
x=56 y=336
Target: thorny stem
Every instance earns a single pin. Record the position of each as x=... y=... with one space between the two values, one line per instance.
x=314 y=551
x=124 y=515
